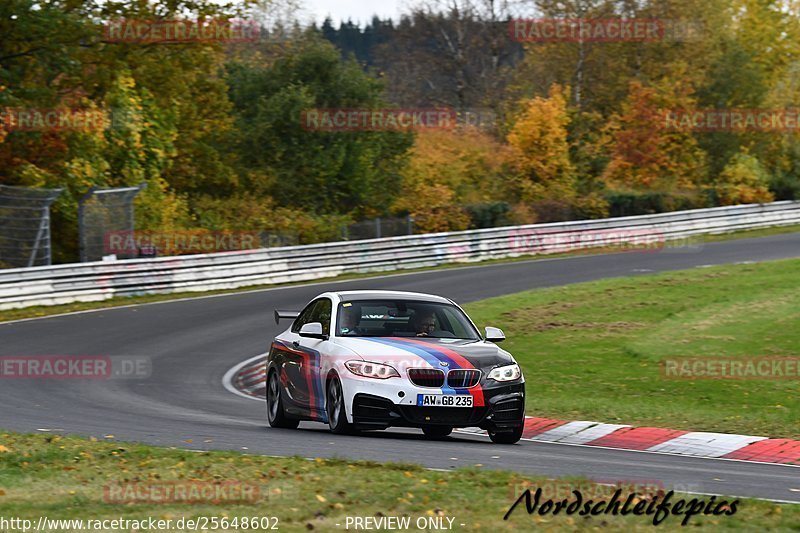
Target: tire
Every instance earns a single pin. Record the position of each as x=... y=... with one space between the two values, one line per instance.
x=334 y=406
x=276 y=416
x=436 y=432
x=507 y=437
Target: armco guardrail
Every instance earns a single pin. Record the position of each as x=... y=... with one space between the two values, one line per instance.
x=103 y=280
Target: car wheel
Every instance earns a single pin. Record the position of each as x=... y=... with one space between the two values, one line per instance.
x=437 y=432
x=276 y=416
x=337 y=416
x=507 y=437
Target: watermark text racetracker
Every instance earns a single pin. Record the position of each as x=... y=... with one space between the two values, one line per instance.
x=622 y=239
x=180 y=242
x=75 y=367
x=53 y=119
x=756 y=368
x=604 y=30
x=181 y=31
x=67 y=119
x=733 y=120
x=394 y=119
x=181 y=492
x=594 y=488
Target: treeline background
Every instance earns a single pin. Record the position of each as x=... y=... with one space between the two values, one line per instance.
x=214 y=129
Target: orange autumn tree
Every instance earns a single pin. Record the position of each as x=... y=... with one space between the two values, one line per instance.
x=540 y=149
x=646 y=156
x=447 y=170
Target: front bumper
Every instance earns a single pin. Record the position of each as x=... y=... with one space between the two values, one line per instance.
x=503 y=410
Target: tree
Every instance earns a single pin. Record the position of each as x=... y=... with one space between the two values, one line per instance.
x=321 y=172
x=599 y=72
x=447 y=172
x=540 y=148
x=164 y=105
x=433 y=208
x=450 y=53
x=743 y=181
x=646 y=155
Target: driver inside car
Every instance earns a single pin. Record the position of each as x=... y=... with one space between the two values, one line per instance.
x=351 y=317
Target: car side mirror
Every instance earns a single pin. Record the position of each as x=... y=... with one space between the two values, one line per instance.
x=312 y=330
x=494 y=334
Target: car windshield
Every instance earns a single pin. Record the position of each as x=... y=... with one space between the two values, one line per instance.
x=403 y=318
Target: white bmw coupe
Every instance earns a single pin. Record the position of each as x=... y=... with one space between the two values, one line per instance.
x=361 y=360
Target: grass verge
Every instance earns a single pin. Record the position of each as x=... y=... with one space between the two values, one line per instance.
x=42 y=311
x=592 y=351
x=68 y=478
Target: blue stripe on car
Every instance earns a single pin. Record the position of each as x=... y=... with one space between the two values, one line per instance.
x=432 y=356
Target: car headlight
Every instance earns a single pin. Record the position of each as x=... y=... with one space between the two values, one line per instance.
x=369 y=369
x=506 y=373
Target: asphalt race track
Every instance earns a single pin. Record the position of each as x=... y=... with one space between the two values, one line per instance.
x=192 y=343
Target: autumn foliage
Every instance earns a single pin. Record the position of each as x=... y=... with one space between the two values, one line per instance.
x=540 y=150
x=580 y=132
x=647 y=156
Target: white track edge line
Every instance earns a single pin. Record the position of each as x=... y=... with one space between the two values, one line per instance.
x=227 y=379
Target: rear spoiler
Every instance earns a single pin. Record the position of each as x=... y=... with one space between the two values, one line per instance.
x=285 y=314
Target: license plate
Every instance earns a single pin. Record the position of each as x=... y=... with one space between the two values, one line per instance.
x=444 y=400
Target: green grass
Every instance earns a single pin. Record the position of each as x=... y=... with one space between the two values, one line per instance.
x=591 y=351
x=42 y=311
x=64 y=478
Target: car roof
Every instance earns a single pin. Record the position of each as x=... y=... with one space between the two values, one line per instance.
x=395 y=295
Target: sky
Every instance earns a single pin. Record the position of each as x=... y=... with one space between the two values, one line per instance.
x=357 y=10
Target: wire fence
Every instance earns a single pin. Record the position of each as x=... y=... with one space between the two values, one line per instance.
x=25 y=226
x=377 y=228
x=102 y=212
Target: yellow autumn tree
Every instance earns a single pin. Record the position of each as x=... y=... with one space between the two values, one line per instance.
x=540 y=149
x=446 y=171
x=744 y=180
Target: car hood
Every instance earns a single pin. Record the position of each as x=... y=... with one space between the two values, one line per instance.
x=421 y=352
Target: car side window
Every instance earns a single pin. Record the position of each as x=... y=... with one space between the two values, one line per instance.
x=304 y=317
x=322 y=314
x=317 y=311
